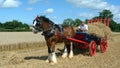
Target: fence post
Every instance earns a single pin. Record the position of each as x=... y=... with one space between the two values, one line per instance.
x=97 y=19
x=108 y=22
x=90 y=21
x=100 y=19
x=105 y=21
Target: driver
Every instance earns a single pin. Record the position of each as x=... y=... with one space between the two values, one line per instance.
x=83 y=28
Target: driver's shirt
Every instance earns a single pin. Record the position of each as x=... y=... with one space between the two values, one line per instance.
x=85 y=27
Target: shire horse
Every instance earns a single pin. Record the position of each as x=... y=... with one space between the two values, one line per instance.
x=53 y=34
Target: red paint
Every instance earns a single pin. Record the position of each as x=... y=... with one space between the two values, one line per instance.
x=92 y=48
x=78 y=41
x=105 y=21
x=103 y=45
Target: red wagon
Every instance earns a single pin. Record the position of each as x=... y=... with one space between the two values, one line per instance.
x=89 y=41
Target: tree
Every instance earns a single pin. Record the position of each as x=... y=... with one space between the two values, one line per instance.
x=77 y=22
x=95 y=17
x=113 y=25
x=106 y=14
x=12 y=24
x=25 y=26
x=68 y=21
x=72 y=22
x=1 y=25
x=86 y=21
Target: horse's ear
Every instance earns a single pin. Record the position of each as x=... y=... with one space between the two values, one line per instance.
x=38 y=16
x=44 y=15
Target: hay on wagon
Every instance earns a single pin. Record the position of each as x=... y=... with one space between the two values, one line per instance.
x=100 y=29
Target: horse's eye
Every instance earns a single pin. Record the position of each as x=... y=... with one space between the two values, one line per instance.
x=39 y=23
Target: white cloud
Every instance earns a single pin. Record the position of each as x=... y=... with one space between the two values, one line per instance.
x=94 y=4
x=29 y=9
x=9 y=3
x=97 y=5
x=86 y=15
x=33 y=1
x=48 y=11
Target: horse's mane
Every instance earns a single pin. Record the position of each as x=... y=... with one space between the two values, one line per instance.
x=46 y=19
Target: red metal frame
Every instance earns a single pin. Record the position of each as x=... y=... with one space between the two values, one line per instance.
x=106 y=21
x=78 y=41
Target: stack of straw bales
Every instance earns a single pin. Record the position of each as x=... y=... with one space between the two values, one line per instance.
x=100 y=29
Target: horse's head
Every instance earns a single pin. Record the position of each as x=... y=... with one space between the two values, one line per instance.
x=37 y=23
x=41 y=23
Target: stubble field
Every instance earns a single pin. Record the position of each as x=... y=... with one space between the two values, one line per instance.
x=31 y=53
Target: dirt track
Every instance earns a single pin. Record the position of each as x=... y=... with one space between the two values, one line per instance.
x=35 y=58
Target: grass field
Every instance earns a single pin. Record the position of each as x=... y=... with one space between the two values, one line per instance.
x=35 y=57
x=20 y=40
x=19 y=37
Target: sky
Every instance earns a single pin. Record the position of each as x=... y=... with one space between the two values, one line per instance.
x=56 y=10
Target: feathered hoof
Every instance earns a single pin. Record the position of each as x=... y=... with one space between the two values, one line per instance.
x=70 y=56
x=64 y=55
x=53 y=63
x=47 y=61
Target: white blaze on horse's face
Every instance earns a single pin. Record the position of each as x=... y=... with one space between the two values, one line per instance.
x=34 y=23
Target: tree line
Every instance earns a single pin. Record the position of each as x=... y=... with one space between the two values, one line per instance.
x=115 y=26
x=14 y=25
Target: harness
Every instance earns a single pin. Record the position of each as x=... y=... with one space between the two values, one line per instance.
x=51 y=31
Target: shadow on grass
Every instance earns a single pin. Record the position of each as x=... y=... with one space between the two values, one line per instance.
x=36 y=57
x=76 y=51
x=58 y=54
x=84 y=52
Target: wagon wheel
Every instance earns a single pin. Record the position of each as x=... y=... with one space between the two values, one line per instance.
x=92 y=48
x=103 y=45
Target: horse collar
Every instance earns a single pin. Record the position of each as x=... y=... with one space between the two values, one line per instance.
x=49 y=34
x=52 y=31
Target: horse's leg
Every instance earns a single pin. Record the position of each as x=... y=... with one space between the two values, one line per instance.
x=52 y=55
x=68 y=50
x=65 y=53
x=49 y=51
x=71 y=50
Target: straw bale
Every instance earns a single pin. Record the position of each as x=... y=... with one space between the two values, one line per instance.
x=100 y=30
